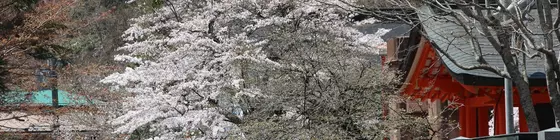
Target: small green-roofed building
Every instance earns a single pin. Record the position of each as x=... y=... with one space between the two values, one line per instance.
x=44 y=98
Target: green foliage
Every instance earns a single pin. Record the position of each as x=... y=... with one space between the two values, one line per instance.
x=24 y=5
x=59 y=54
x=48 y=52
x=148 y=6
x=142 y=133
x=157 y=3
x=82 y=43
x=99 y=36
x=132 y=65
x=53 y=25
x=110 y=3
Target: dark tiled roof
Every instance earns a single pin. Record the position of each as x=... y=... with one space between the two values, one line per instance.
x=451 y=37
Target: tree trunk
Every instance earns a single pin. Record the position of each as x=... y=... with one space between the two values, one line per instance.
x=552 y=86
x=522 y=86
x=545 y=20
x=525 y=98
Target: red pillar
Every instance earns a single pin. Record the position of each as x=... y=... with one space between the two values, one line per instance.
x=471 y=122
x=483 y=117
x=522 y=121
x=463 y=121
x=499 y=119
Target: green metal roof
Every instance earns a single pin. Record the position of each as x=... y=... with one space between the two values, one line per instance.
x=44 y=97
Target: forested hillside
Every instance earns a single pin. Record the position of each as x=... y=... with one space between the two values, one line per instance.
x=74 y=40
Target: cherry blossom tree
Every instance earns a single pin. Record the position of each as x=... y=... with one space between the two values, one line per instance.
x=188 y=60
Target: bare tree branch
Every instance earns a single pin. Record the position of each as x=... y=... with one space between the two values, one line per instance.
x=531 y=56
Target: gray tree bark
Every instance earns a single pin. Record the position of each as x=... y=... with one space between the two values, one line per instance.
x=517 y=78
x=552 y=67
x=523 y=90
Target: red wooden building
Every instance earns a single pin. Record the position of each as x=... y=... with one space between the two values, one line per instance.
x=431 y=76
x=429 y=80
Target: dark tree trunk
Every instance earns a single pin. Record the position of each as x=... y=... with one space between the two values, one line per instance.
x=522 y=86
x=551 y=63
x=552 y=85
x=525 y=98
